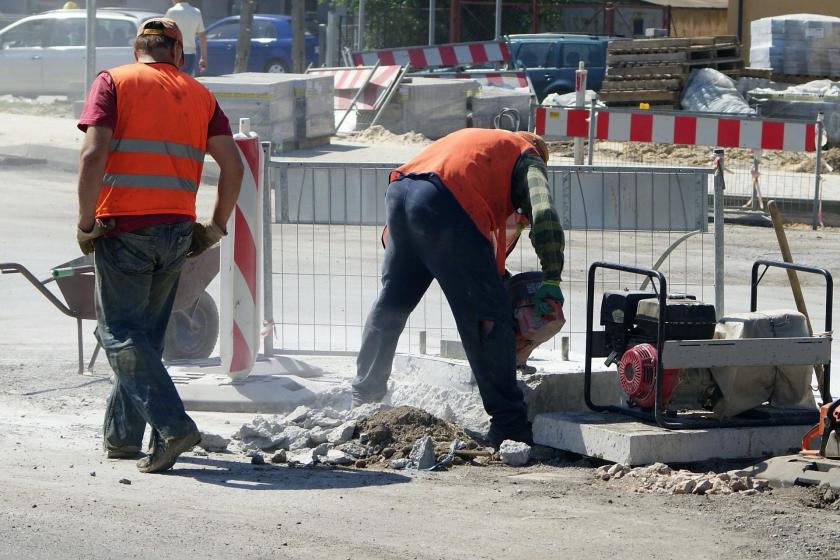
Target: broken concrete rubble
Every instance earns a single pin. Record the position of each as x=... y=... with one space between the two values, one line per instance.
x=213 y=442
x=422 y=455
x=514 y=453
x=659 y=477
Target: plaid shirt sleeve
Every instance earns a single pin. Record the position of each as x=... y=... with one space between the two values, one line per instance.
x=530 y=194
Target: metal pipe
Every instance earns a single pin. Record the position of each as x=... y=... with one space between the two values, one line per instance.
x=431 y=22
x=592 y=124
x=268 y=286
x=498 y=27
x=360 y=32
x=720 y=186
x=90 y=45
x=818 y=175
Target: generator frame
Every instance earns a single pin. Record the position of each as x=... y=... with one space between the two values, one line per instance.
x=681 y=354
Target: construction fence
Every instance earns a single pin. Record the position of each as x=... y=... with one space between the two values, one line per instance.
x=327 y=253
x=764 y=159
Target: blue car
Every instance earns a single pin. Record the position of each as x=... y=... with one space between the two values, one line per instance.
x=551 y=60
x=271 y=45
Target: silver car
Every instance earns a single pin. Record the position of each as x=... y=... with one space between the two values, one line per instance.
x=44 y=54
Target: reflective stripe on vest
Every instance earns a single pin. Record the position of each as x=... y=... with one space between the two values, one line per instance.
x=476 y=165
x=160 y=138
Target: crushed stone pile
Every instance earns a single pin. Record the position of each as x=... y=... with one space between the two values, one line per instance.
x=660 y=478
x=378 y=134
x=823 y=497
x=370 y=435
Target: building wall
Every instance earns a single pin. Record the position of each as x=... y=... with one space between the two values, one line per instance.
x=757 y=9
x=698 y=22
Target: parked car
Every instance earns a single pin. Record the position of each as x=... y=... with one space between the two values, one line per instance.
x=271 y=45
x=44 y=54
x=551 y=60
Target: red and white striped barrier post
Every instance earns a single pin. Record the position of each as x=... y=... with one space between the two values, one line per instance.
x=580 y=101
x=241 y=263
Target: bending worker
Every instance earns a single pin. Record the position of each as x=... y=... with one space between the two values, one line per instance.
x=147 y=127
x=453 y=213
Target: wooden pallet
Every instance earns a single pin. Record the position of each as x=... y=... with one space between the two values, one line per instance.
x=670 y=43
x=639 y=96
x=800 y=79
x=644 y=85
x=765 y=73
x=647 y=71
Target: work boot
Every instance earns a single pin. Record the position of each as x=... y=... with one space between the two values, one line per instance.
x=496 y=435
x=359 y=400
x=126 y=452
x=165 y=452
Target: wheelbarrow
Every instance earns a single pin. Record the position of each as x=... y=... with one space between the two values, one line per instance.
x=193 y=326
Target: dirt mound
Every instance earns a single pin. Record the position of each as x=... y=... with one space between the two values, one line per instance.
x=389 y=434
x=822 y=497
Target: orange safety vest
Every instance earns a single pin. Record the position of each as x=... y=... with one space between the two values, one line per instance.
x=158 y=147
x=476 y=165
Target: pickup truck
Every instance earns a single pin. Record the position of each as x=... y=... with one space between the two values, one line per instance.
x=551 y=60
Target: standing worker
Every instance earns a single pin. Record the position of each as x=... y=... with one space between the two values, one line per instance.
x=147 y=127
x=453 y=213
x=191 y=24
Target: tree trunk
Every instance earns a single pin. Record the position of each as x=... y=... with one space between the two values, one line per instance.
x=298 y=36
x=243 y=42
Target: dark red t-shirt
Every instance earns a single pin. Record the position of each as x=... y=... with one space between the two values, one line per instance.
x=100 y=109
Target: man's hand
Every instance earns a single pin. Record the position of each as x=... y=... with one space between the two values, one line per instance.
x=204 y=236
x=87 y=239
x=549 y=289
x=202 y=65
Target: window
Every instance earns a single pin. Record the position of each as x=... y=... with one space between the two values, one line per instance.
x=534 y=55
x=115 y=33
x=67 y=33
x=225 y=31
x=263 y=30
x=590 y=54
x=26 y=35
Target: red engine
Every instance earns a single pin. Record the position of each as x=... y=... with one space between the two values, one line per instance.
x=637 y=372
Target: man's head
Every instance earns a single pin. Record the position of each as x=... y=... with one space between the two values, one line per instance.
x=161 y=40
x=537 y=142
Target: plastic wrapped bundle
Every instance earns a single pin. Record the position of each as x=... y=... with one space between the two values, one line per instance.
x=709 y=91
x=797 y=44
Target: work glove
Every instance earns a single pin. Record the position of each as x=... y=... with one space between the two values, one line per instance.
x=87 y=239
x=549 y=289
x=204 y=236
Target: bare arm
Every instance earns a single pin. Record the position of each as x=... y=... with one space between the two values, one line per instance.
x=94 y=154
x=202 y=44
x=223 y=150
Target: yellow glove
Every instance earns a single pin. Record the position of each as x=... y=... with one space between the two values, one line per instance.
x=87 y=239
x=204 y=236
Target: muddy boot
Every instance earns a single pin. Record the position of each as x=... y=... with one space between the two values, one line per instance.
x=522 y=433
x=164 y=452
x=127 y=452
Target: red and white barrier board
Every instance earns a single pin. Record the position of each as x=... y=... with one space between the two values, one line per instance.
x=673 y=128
x=453 y=54
x=348 y=81
x=241 y=265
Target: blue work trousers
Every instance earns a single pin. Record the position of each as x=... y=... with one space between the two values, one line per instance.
x=431 y=236
x=136 y=280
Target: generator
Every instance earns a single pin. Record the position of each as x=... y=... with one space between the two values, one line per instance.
x=630 y=320
x=676 y=373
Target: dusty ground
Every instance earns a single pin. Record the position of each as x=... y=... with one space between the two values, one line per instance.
x=61 y=499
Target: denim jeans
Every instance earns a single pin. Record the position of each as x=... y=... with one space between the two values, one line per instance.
x=136 y=280
x=189 y=65
x=431 y=237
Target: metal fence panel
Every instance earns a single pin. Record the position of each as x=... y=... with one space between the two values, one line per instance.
x=327 y=249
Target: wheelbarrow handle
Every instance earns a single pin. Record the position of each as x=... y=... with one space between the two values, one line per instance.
x=12 y=268
x=67 y=271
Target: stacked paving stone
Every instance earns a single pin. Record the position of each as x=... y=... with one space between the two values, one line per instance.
x=660 y=478
x=796 y=45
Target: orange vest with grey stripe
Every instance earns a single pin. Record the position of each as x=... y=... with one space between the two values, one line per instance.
x=476 y=165
x=159 y=142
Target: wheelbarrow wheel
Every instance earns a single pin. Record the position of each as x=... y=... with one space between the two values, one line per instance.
x=192 y=332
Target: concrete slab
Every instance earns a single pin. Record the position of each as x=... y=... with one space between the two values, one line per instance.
x=620 y=439
x=796 y=470
x=277 y=385
x=557 y=385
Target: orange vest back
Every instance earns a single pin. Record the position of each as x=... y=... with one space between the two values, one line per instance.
x=476 y=165
x=159 y=142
